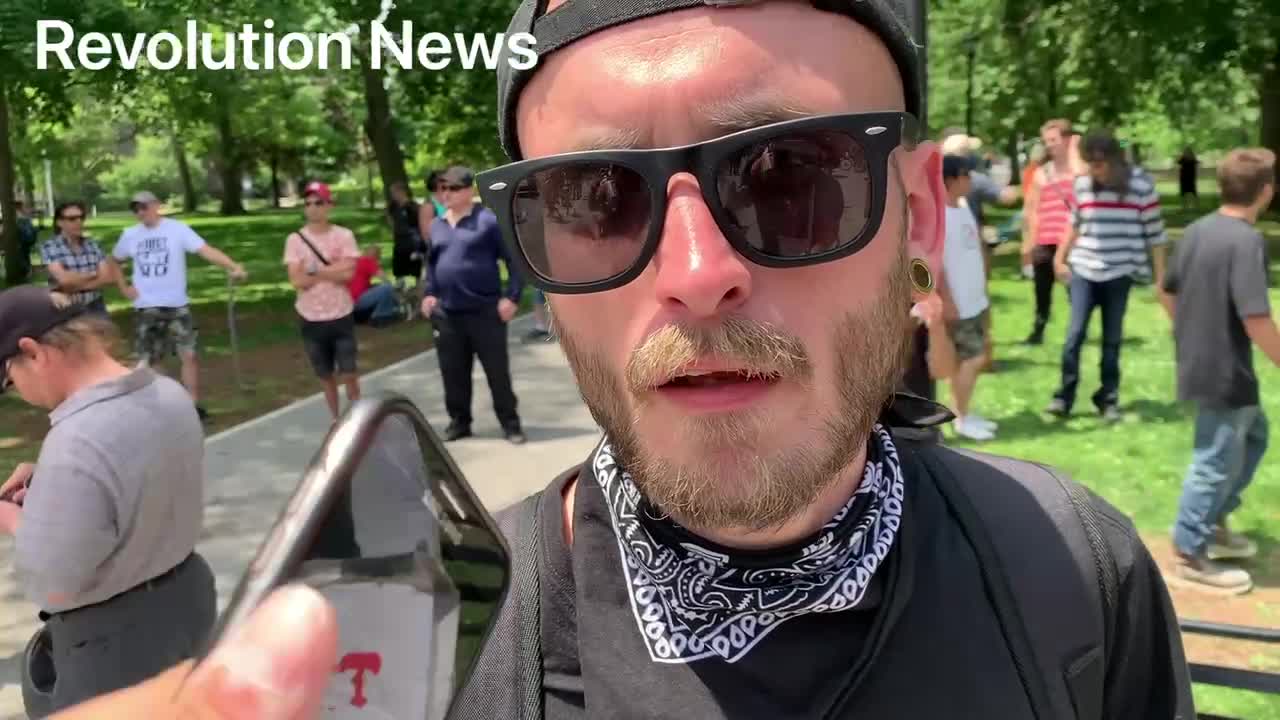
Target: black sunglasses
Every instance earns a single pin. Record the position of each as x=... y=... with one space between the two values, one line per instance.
x=453 y=188
x=788 y=194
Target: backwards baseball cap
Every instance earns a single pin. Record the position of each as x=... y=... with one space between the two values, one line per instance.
x=577 y=19
x=320 y=190
x=459 y=175
x=145 y=197
x=30 y=311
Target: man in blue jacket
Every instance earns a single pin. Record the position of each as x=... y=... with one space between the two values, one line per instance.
x=468 y=306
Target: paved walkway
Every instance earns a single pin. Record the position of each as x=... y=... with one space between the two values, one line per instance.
x=250 y=469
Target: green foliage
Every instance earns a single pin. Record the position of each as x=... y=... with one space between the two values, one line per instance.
x=1165 y=73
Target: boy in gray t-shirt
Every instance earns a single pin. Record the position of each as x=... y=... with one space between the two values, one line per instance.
x=1216 y=289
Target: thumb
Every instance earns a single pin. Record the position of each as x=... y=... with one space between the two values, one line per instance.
x=274 y=667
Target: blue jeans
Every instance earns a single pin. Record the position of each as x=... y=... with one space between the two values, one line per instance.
x=1229 y=444
x=378 y=304
x=1112 y=296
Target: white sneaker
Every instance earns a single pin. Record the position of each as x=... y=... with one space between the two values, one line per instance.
x=979 y=421
x=965 y=427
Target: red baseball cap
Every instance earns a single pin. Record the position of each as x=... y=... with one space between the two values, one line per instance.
x=318 y=188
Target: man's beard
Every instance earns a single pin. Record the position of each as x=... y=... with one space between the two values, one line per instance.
x=753 y=491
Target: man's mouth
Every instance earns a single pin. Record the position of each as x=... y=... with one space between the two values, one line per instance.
x=701 y=391
x=713 y=378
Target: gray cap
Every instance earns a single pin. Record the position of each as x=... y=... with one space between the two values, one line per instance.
x=146 y=197
x=577 y=19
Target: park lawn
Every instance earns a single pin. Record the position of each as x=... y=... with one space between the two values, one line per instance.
x=273 y=366
x=1138 y=464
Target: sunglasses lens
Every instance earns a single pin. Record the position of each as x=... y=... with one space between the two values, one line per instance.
x=798 y=195
x=582 y=222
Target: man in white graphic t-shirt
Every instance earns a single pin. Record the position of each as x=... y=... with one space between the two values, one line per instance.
x=965 y=279
x=158 y=247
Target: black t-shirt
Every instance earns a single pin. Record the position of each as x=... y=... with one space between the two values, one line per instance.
x=927 y=644
x=404 y=221
x=1218 y=276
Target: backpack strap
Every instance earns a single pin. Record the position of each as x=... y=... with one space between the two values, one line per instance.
x=1064 y=669
x=506 y=679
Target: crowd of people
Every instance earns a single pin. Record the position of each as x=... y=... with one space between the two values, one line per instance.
x=1092 y=223
x=767 y=527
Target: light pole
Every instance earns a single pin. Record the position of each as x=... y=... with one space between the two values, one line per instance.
x=48 y=183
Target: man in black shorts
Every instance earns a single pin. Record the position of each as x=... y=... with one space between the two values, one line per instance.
x=321 y=258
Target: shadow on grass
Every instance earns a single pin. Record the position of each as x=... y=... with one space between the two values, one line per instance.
x=1147 y=409
x=1030 y=424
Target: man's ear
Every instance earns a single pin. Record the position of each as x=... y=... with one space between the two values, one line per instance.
x=926 y=204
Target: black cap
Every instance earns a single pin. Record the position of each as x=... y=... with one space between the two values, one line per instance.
x=954 y=166
x=459 y=175
x=578 y=18
x=30 y=311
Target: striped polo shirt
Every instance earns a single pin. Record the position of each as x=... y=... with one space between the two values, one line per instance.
x=1115 y=232
x=1053 y=211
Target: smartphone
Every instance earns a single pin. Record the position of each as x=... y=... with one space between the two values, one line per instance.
x=385 y=526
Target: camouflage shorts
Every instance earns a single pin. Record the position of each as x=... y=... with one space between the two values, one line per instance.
x=160 y=332
x=970 y=336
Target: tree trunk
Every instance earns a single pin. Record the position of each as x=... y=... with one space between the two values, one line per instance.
x=1269 y=88
x=13 y=266
x=190 y=201
x=228 y=165
x=275 y=179
x=28 y=177
x=379 y=126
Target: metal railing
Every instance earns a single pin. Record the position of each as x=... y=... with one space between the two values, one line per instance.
x=1230 y=677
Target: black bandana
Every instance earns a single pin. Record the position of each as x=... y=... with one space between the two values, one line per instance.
x=692 y=601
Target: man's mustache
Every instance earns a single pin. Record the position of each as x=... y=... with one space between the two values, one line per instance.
x=745 y=345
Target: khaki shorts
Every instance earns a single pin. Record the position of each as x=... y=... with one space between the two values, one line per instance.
x=970 y=336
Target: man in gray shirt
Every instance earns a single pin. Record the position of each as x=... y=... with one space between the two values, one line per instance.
x=1217 y=298
x=106 y=520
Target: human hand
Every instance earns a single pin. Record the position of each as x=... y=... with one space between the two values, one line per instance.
x=928 y=311
x=130 y=292
x=1062 y=270
x=429 y=305
x=238 y=272
x=17 y=480
x=275 y=667
x=506 y=309
x=10 y=517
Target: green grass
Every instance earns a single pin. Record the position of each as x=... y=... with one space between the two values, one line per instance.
x=1139 y=464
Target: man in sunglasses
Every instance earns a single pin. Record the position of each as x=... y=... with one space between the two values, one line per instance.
x=76 y=263
x=107 y=518
x=158 y=247
x=730 y=244
x=468 y=307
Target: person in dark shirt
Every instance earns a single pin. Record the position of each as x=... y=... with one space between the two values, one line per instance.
x=1217 y=298
x=745 y=385
x=409 y=230
x=466 y=303
x=1188 y=170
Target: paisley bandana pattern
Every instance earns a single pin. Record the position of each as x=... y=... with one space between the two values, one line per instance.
x=693 y=602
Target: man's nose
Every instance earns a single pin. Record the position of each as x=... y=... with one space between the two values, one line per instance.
x=697 y=269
